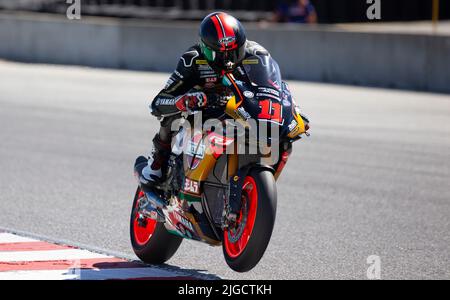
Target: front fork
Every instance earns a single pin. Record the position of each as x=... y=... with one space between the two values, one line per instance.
x=285 y=150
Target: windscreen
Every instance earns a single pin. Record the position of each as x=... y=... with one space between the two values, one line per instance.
x=263 y=71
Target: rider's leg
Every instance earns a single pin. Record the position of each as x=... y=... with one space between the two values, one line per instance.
x=151 y=171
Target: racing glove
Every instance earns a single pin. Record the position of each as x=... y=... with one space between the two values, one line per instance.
x=218 y=100
x=192 y=101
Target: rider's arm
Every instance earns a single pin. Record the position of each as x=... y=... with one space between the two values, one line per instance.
x=178 y=95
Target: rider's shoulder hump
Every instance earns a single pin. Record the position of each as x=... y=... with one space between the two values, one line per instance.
x=190 y=57
x=254 y=48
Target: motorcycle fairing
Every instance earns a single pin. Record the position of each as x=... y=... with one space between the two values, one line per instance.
x=187 y=214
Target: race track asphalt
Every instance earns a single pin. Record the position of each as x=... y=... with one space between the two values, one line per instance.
x=373 y=178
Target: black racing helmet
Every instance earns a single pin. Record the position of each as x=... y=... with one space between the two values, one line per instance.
x=222 y=40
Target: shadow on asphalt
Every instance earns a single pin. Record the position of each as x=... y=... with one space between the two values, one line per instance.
x=193 y=274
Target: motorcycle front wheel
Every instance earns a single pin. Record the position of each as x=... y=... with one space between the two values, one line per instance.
x=150 y=240
x=245 y=244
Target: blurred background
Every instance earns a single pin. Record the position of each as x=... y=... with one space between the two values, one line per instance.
x=373 y=178
x=328 y=11
x=401 y=44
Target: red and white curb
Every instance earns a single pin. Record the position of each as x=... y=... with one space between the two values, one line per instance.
x=23 y=258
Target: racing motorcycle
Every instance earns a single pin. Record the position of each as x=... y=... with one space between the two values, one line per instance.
x=221 y=197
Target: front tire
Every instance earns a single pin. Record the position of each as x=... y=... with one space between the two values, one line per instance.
x=244 y=246
x=152 y=243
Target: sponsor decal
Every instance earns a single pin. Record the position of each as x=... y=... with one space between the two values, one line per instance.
x=205 y=68
x=226 y=81
x=169 y=83
x=286 y=101
x=201 y=62
x=165 y=101
x=268 y=96
x=243 y=113
x=194 y=149
x=184 y=221
x=250 y=62
x=294 y=129
x=205 y=74
x=219 y=140
x=249 y=94
x=211 y=79
x=292 y=125
x=227 y=40
x=269 y=91
x=210 y=72
x=191 y=186
x=196 y=152
x=178 y=74
x=218 y=144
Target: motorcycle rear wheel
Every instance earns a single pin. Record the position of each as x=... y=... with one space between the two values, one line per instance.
x=244 y=247
x=152 y=243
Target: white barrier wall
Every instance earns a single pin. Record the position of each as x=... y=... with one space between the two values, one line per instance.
x=409 y=61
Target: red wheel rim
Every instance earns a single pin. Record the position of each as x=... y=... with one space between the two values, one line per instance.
x=247 y=215
x=142 y=234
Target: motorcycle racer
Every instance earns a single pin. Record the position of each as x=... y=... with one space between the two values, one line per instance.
x=196 y=83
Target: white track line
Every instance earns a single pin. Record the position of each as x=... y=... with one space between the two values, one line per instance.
x=89 y=274
x=12 y=238
x=9 y=258
x=51 y=255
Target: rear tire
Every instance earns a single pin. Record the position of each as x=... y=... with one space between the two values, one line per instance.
x=244 y=253
x=153 y=244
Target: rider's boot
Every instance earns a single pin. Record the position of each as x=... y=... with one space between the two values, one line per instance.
x=151 y=171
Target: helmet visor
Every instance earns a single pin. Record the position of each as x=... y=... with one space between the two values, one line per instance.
x=224 y=59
